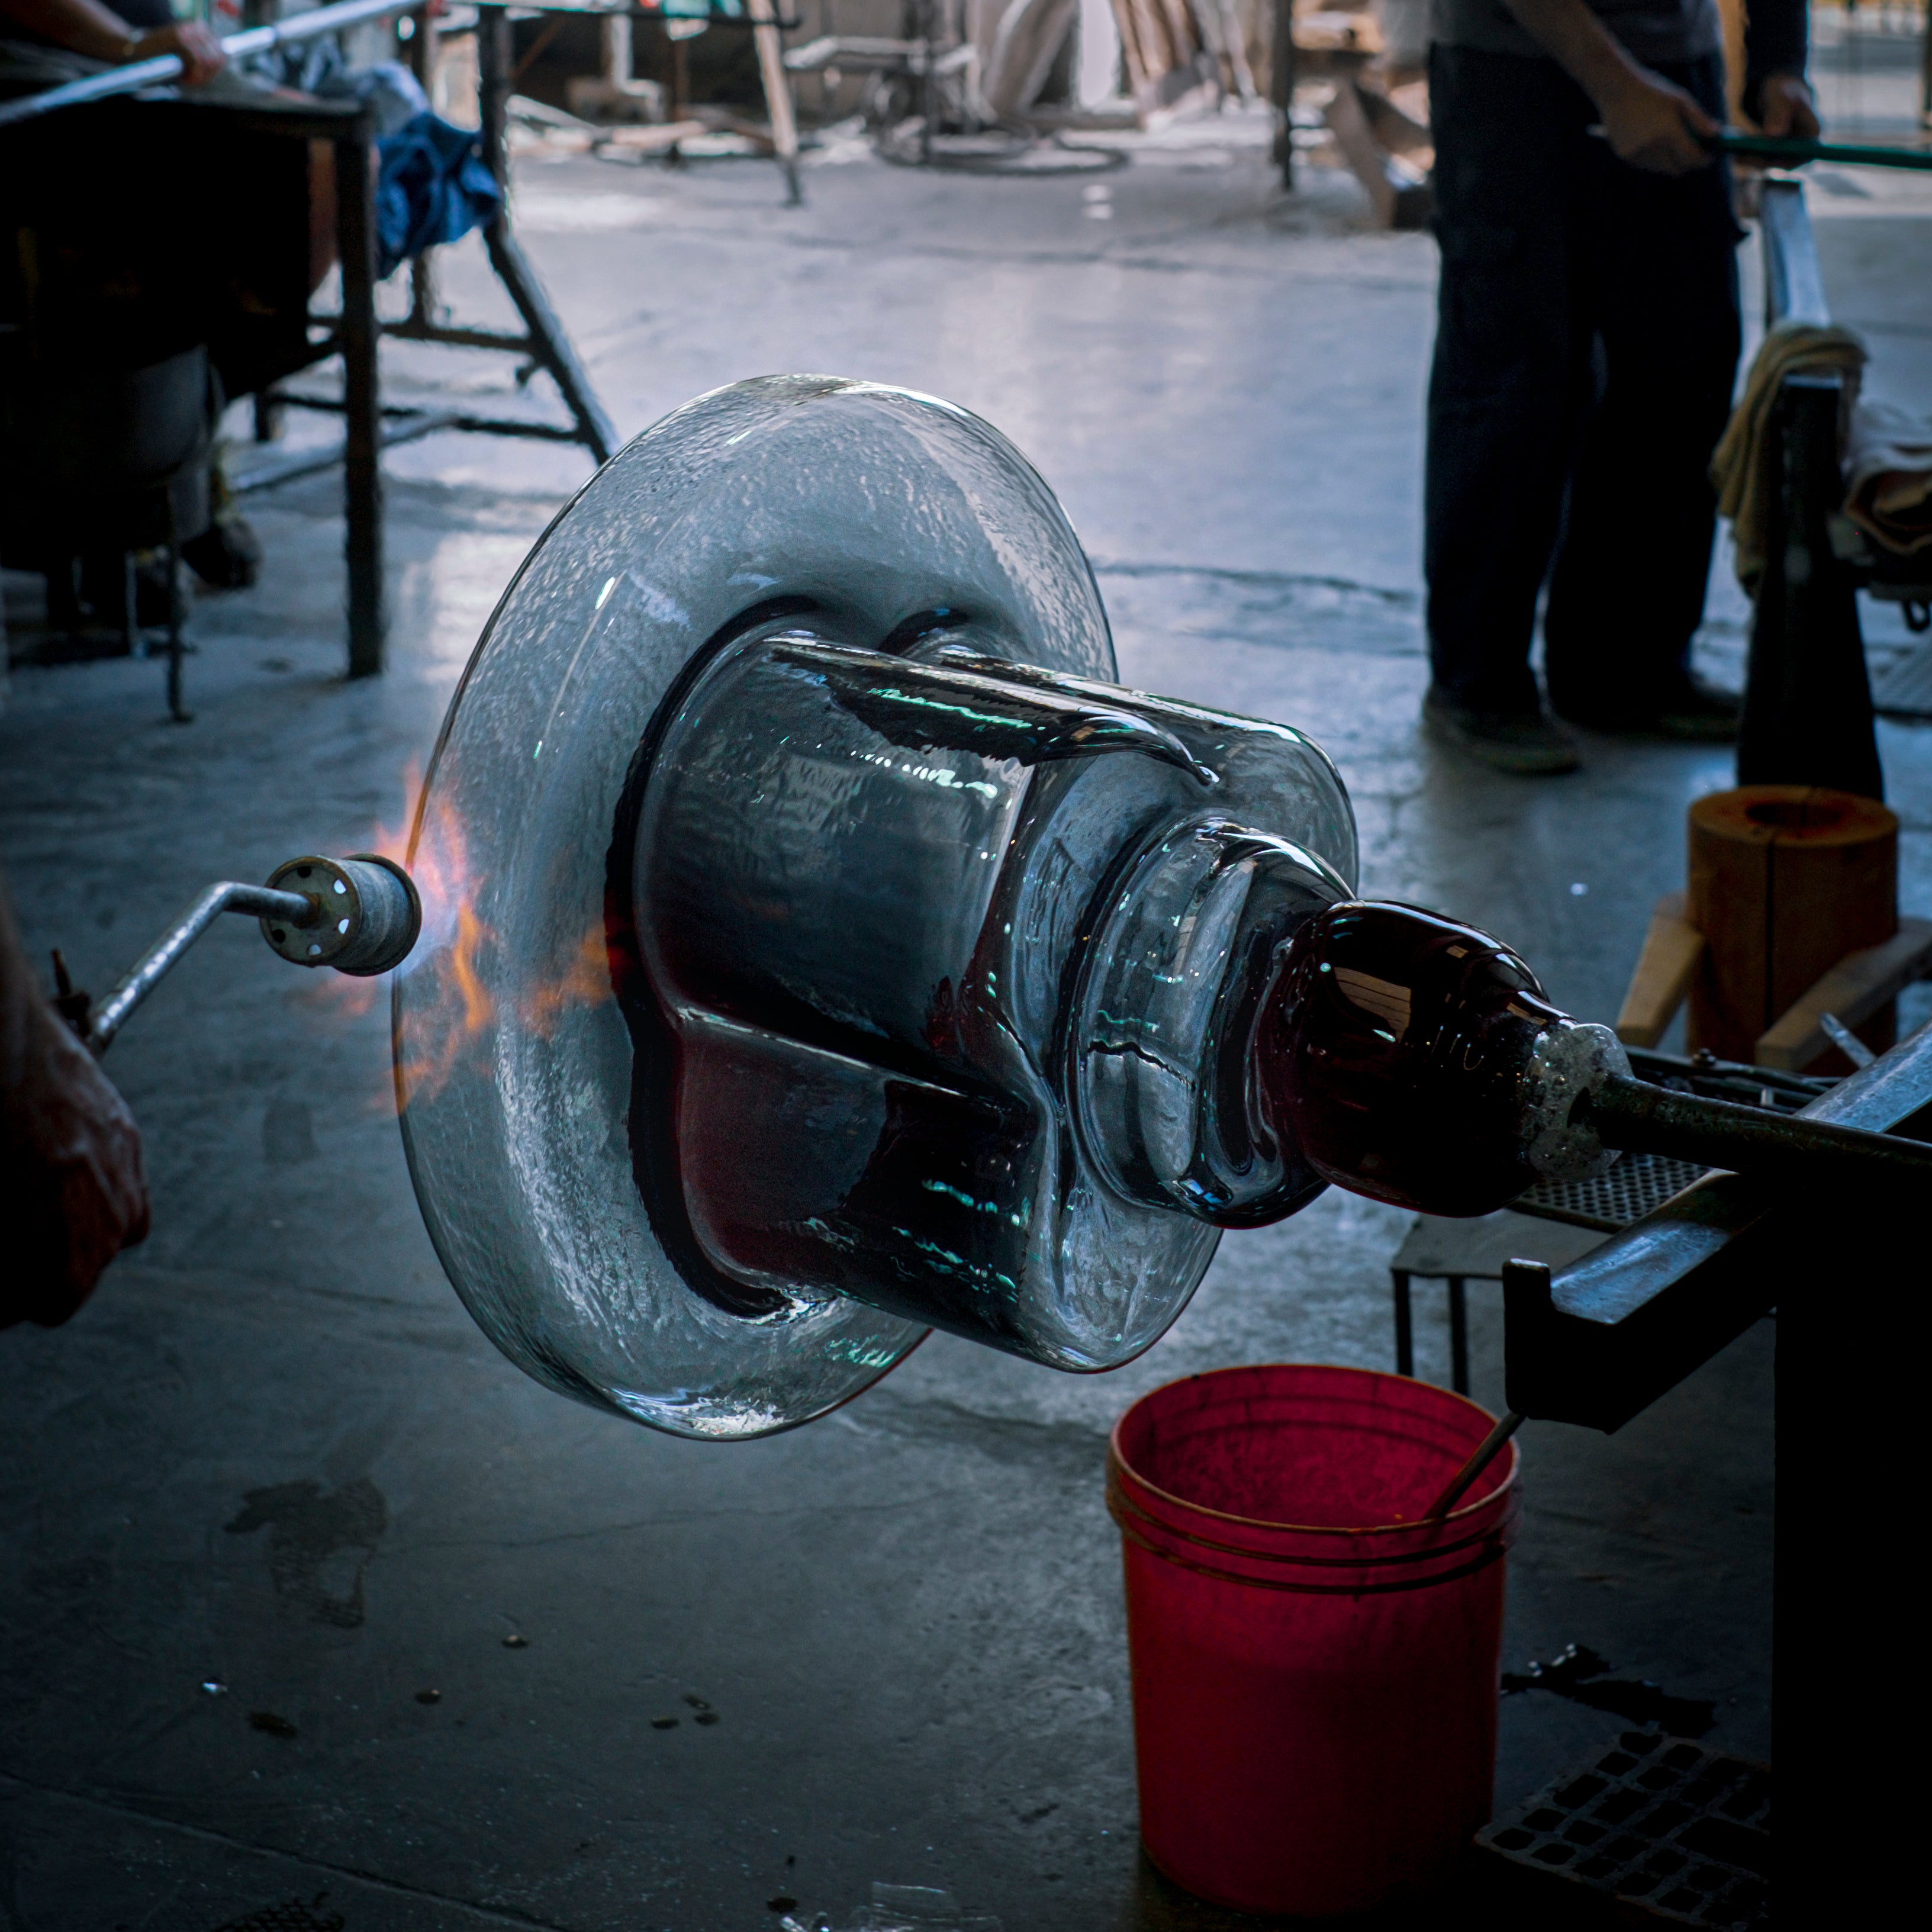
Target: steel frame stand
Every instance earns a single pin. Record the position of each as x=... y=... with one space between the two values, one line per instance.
x=368 y=427
x=350 y=131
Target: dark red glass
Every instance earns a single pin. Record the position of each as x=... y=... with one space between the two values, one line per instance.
x=1392 y=1050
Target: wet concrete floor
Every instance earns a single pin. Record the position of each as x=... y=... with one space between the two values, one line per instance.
x=272 y=1488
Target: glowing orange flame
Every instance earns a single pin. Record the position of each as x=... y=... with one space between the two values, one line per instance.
x=453 y=947
x=457 y=946
x=586 y=982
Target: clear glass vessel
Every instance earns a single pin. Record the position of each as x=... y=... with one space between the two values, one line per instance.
x=817 y=949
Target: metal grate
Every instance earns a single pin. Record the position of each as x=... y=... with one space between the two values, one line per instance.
x=292 y=1916
x=1904 y=689
x=1637 y=1183
x=1680 y=1832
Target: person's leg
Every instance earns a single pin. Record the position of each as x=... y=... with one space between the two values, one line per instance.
x=1627 y=591
x=1506 y=365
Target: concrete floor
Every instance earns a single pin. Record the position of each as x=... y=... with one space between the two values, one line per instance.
x=272 y=1469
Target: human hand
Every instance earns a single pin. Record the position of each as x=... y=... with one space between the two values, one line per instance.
x=1786 y=108
x=202 y=58
x=72 y=1192
x=1653 y=125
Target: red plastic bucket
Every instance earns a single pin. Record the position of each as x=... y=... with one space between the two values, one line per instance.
x=1315 y=1670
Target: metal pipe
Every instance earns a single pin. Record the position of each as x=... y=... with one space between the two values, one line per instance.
x=1483 y=1455
x=1634 y=1115
x=227 y=895
x=163 y=68
x=1786 y=151
x=1791 y=153
x=1794 y=284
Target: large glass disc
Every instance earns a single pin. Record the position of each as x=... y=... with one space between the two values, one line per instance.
x=865 y=505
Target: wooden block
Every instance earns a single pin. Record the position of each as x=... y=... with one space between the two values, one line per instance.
x=1785 y=881
x=654 y=138
x=1400 y=189
x=1396 y=130
x=1672 y=949
x=1853 y=990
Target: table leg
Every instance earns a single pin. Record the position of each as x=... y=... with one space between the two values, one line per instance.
x=1459 y=1336
x=778 y=94
x=362 y=475
x=1405 y=1328
x=1281 y=92
x=422 y=56
x=548 y=343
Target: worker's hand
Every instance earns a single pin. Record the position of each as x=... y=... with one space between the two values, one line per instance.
x=202 y=58
x=1786 y=108
x=1655 y=126
x=72 y=1192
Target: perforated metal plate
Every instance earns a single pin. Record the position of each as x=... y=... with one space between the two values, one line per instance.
x=1629 y=1191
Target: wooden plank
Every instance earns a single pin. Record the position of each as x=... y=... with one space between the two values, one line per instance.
x=1853 y=990
x=1399 y=190
x=777 y=84
x=1672 y=949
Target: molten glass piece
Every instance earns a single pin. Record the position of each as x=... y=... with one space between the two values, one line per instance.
x=1417 y=1061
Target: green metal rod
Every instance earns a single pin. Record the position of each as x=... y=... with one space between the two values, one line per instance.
x=1795 y=154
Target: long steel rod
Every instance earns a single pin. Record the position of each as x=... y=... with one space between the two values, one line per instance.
x=1633 y=1114
x=1794 y=153
x=227 y=895
x=163 y=68
x=1790 y=152
x=1485 y=1453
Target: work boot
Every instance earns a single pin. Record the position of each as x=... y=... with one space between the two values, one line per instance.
x=1700 y=714
x=1690 y=711
x=1526 y=744
x=227 y=556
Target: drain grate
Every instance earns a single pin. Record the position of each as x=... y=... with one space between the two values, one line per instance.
x=1681 y=1832
x=1627 y=1193
x=1904 y=689
x=291 y=1915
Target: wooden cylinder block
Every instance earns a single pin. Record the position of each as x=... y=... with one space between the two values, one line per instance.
x=1785 y=881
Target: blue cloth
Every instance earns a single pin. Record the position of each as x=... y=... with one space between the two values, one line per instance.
x=433 y=187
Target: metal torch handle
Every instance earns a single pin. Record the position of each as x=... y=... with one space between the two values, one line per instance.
x=227 y=896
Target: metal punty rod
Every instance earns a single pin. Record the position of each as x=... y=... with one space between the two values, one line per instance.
x=1634 y=1114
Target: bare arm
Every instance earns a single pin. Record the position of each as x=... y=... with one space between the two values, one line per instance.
x=1775 y=90
x=72 y=1193
x=1785 y=107
x=86 y=27
x=1651 y=123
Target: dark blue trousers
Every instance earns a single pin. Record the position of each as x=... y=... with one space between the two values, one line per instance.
x=1586 y=345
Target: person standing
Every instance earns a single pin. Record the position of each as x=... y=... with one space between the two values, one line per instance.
x=1586 y=349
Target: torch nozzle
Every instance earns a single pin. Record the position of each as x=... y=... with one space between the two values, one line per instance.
x=360 y=915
